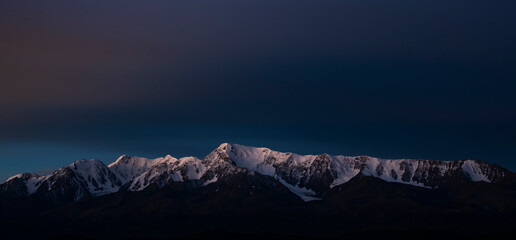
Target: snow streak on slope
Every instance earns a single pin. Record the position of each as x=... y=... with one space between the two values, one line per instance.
x=473 y=170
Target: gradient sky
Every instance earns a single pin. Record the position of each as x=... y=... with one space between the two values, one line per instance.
x=394 y=79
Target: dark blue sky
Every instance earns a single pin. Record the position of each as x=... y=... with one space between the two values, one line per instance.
x=394 y=79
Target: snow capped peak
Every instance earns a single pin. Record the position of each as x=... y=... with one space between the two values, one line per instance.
x=95 y=176
x=82 y=177
x=13 y=177
x=127 y=168
x=223 y=146
x=86 y=163
x=161 y=171
x=23 y=176
x=120 y=159
x=288 y=168
x=475 y=171
x=255 y=159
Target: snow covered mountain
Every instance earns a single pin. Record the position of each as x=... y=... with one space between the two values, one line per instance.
x=310 y=176
x=307 y=176
x=79 y=180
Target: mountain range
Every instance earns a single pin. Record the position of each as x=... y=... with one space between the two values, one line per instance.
x=241 y=189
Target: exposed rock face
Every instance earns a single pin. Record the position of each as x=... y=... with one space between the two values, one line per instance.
x=308 y=176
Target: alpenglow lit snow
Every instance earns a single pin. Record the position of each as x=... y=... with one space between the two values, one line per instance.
x=307 y=176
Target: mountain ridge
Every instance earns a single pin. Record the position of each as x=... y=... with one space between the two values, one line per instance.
x=252 y=190
x=307 y=176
